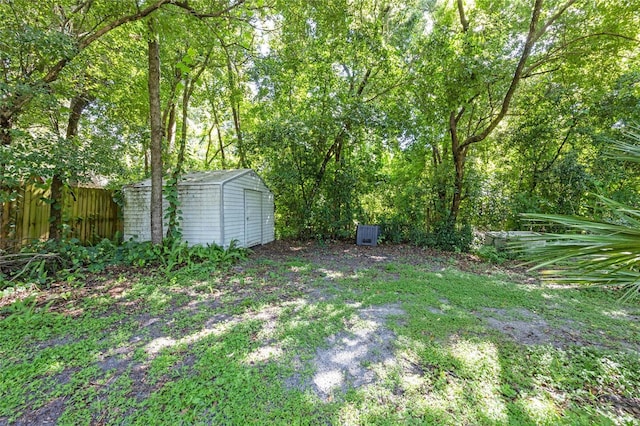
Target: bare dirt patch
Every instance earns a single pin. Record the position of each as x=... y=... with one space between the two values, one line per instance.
x=529 y=328
x=348 y=258
x=346 y=362
x=523 y=326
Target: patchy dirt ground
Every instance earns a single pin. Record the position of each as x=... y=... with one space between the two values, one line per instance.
x=343 y=364
x=346 y=256
x=339 y=365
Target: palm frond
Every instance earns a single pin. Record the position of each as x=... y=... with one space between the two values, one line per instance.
x=627 y=150
x=590 y=252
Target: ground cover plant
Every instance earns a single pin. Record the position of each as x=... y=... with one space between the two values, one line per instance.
x=304 y=333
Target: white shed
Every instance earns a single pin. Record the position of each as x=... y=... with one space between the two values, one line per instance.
x=217 y=207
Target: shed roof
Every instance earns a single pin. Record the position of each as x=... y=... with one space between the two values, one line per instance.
x=210 y=177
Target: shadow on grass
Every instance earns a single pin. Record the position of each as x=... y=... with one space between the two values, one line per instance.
x=241 y=347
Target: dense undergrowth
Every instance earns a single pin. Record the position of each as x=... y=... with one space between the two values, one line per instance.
x=44 y=262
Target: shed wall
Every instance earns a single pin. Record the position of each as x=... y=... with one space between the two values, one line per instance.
x=208 y=216
x=200 y=206
x=234 y=214
x=137 y=217
x=268 y=221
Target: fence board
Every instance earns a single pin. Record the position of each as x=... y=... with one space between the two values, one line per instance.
x=90 y=214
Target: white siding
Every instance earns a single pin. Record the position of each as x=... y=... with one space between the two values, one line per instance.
x=234 y=215
x=253 y=213
x=268 y=222
x=137 y=223
x=234 y=209
x=200 y=206
x=208 y=216
x=137 y=214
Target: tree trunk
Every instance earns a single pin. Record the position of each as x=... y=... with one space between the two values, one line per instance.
x=6 y=123
x=78 y=104
x=220 y=142
x=55 y=215
x=169 y=113
x=235 y=108
x=5 y=140
x=460 y=147
x=459 y=161
x=171 y=129
x=155 y=117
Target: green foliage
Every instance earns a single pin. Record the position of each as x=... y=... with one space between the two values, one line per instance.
x=594 y=252
x=491 y=254
x=447 y=236
x=172 y=212
x=393 y=232
x=444 y=235
x=342 y=107
x=69 y=260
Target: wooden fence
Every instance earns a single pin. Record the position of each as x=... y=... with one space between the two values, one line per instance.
x=88 y=214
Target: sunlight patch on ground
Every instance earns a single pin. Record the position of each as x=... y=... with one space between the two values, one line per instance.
x=296 y=304
x=377 y=402
x=263 y=354
x=550 y=296
x=481 y=360
x=350 y=415
x=352 y=356
x=268 y=315
x=158 y=298
x=326 y=381
x=55 y=367
x=332 y=275
x=618 y=315
x=378 y=258
x=156 y=345
x=448 y=399
x=540 y=408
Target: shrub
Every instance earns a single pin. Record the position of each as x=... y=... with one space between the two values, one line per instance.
x=447 y=237
x=43 y=263
x=491 y=254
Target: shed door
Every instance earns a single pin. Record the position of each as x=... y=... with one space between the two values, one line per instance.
x=253 y=217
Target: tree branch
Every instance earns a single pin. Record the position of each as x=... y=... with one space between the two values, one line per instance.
x=550 y=56
x=553 y=19
x=18 y=102
x=184 y=5
x=559 y=150
x=515 y=80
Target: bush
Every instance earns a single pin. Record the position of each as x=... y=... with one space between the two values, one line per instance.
x=591 y=251
x=42 y=263
x=393 y=232
x=447 y=237
x=491 y=254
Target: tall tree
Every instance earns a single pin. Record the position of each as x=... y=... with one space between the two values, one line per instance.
x=327 y=82
x=155 y=119
x=477 y=66
x=42 y=41
x=76 y=108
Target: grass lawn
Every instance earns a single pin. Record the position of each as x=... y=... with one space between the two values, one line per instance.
x=310 y=334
